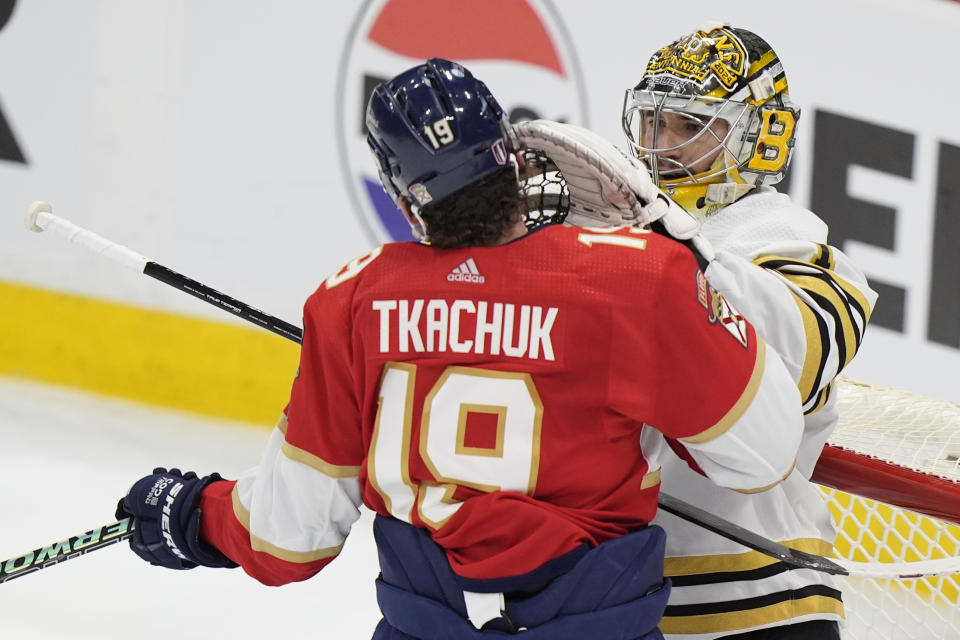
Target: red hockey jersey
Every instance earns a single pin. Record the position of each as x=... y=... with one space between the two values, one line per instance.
x=503 y=398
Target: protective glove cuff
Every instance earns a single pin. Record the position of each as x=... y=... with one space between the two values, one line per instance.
x=166 y=516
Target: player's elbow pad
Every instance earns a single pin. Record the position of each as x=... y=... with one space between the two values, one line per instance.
x=755 y=446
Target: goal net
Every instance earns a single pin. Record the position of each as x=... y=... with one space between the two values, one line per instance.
x=903 y=450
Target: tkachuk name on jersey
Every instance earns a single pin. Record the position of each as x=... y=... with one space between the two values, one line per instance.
x=517 y=331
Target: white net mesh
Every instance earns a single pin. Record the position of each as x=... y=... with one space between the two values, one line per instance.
x=922 y=434
x=900 y=427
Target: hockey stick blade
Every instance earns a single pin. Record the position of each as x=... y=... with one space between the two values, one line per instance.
x=731 y=531
x=63 y=550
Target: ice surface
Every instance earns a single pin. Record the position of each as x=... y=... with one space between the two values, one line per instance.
x=67 y=457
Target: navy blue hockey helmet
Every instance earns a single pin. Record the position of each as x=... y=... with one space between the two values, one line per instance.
x=435 y=129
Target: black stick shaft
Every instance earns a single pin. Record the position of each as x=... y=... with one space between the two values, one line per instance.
x=63 y=550
x=225 y=302
x=731 y=531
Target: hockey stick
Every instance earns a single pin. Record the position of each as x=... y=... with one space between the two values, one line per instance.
x=792 y=557
x=40 y=216
x=78 y=545
x=63 y=550
x=801 y=559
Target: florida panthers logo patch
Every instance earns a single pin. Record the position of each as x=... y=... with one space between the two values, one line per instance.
x=721 y=312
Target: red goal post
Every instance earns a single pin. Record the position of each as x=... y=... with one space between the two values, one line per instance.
x=896 y=447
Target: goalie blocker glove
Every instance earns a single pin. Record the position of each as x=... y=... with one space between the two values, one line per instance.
x=166 y=517
x=607 y=187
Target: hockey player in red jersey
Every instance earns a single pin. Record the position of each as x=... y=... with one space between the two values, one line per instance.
x=501 y=399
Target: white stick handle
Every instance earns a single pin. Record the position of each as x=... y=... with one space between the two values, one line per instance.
x=905 y=570
x=40 y=217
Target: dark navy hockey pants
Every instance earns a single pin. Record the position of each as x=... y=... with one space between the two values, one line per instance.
x=614 y=592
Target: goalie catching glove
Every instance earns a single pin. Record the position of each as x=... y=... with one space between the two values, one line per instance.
x=607 y=187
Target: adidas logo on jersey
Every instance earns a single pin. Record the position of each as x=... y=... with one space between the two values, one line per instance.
x=466 y=272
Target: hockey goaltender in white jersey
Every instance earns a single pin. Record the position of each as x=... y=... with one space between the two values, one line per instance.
x=811 y=304
x=713 y=120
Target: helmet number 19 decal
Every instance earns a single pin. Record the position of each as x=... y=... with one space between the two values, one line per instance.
x=439 y=133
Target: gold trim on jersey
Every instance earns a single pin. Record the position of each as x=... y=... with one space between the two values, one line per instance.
x=817 y=337
x=823 y=257
x=821 y=399
x=772 y=484
x=465 y=410
x=824 y=274
x=526 y=378
x=750 y=618
x=258 y=544
x=738 y=409
x=447 y=498
x=840 y=310
x=651 y=479
x=857 y=295
x=331 y=470
x=372 y=478
x=732 y=562
x=836 y=298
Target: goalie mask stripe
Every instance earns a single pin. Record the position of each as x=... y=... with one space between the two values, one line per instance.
x=760 y=65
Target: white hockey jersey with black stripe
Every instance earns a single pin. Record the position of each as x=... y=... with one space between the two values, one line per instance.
x=810 y=303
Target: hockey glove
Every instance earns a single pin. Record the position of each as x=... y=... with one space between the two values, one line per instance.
x=166 y=517
x=607 y=187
